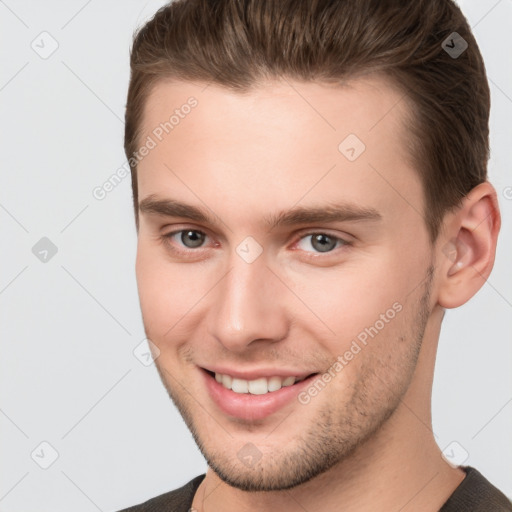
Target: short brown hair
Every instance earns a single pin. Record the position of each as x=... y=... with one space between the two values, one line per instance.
x=239 y=44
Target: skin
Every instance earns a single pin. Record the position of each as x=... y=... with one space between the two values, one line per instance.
x=365 y=441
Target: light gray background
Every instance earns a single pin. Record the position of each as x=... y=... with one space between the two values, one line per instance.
x=69 y=326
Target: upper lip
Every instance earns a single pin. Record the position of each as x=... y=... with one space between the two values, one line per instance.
x=258 y=373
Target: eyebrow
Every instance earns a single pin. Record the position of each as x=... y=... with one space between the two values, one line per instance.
x=338 y=212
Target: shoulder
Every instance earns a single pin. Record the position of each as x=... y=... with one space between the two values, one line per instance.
x=173 y=501
x=475 y=493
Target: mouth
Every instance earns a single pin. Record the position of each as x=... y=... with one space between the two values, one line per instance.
x=254 y=399
x=258 y=386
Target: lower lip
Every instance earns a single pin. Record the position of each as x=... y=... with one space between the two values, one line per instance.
x=252 y=407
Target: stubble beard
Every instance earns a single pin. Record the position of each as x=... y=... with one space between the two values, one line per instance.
x=336 y=433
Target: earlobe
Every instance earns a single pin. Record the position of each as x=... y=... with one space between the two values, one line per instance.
x=468 y=246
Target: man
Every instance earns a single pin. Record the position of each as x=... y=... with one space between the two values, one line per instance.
x=311 y=195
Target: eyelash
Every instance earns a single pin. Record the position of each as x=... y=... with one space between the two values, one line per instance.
x=312 y=254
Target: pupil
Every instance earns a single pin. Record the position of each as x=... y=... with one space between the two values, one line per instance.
x=323 y=243
x=192 y=238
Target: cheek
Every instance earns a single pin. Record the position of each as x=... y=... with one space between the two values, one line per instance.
x=165 y=294
x=352 y=297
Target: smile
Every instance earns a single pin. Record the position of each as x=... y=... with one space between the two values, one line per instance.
x=253 y=399
x=259 y=386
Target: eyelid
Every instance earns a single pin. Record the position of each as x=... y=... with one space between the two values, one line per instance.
x=324 y=231
x=182 y=249
x=345 y=241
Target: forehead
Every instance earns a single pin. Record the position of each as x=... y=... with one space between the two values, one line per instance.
x=283 y=141
x=360 y=105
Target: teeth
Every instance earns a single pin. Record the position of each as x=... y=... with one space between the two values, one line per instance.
x=274 y=383
x=227 y=381
x=240 y=386
x=288 y=381
x=259 y=386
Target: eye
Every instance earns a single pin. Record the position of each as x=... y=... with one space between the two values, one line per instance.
x=188 y=238
x=321 y=242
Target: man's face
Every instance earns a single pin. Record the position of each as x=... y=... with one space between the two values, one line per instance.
x=251 y=298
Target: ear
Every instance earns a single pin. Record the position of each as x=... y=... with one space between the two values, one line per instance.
x=467 y=246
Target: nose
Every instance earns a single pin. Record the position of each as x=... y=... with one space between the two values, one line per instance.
x=249 y=306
